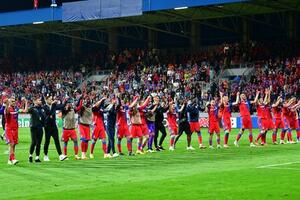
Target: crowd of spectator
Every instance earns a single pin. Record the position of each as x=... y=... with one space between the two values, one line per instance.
x=164 y=73
x=31 y=84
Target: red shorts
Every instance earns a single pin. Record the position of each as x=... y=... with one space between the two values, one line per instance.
x=267 y=124
x=123 y=131
x=173 y=128
x=279 y=123
x=293 y=124
x=271 y=124
x=136 y=131
x=145 y=130
x=68 y=134
x=12 y=135
x=226 y=124
x=195 y=127
x=259 y=123
x=214 y=127
x=99 y=133
x=85 y=132
x=246 y=122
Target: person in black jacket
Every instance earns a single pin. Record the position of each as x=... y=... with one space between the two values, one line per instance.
x=159 y=126
x=183 y=124
x=2 y=108
x=37 y=120
x=50 y=107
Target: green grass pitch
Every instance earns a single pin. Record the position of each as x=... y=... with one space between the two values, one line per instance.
x=271 y=172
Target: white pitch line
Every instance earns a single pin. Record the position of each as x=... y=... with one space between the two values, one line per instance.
x=282 y=168
x=275 y=165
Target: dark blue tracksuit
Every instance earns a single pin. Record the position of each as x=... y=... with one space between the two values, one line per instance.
x=193 y=112
x=111 y=128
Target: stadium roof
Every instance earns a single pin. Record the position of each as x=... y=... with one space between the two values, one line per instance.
x=148 y=20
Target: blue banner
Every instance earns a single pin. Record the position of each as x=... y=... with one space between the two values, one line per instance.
x=100 y=9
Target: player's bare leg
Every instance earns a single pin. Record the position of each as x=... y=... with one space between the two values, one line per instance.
x=226 y=137
x=140 y=145
x=238 y=137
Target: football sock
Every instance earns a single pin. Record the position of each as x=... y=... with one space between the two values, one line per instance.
x=199 y=137
x=129 y=145
x=119 y=145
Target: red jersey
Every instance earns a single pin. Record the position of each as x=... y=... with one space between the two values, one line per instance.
x=172 y=117
x=143 y=116
x=121 y=118
x=244 y=107
x=213 y=114
x=268 y=113
x=143 y=112
x=11 y=119
x=260 y=111
x=277 y=112
x=226 y=111
x=285 y=112
x=293 y=115
x=98 y=118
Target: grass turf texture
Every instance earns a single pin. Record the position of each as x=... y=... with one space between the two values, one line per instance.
x=203 y=174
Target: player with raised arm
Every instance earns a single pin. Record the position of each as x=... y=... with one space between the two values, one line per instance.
x=213 y=120
x=135 y=111
x=244 y=107
x=286 y=119
x=193 y=109
x=99 y=132
x=277 y=113
x=85 y=113
x=151 y=118
x=122 y=127
x=225 y=109
x=69 y=124
x=267 y=119
x=259 y=112
x=11 y=126
x=294 y=117
x=172 y=124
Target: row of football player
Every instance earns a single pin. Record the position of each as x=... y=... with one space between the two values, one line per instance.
x=146 y=116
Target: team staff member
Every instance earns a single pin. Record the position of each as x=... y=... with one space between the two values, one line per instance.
x=183 y=124
x=2 y=108
x=111 y=126
x=50 y=107
x=159 y=126
x=37 y=120
x=11 y=113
